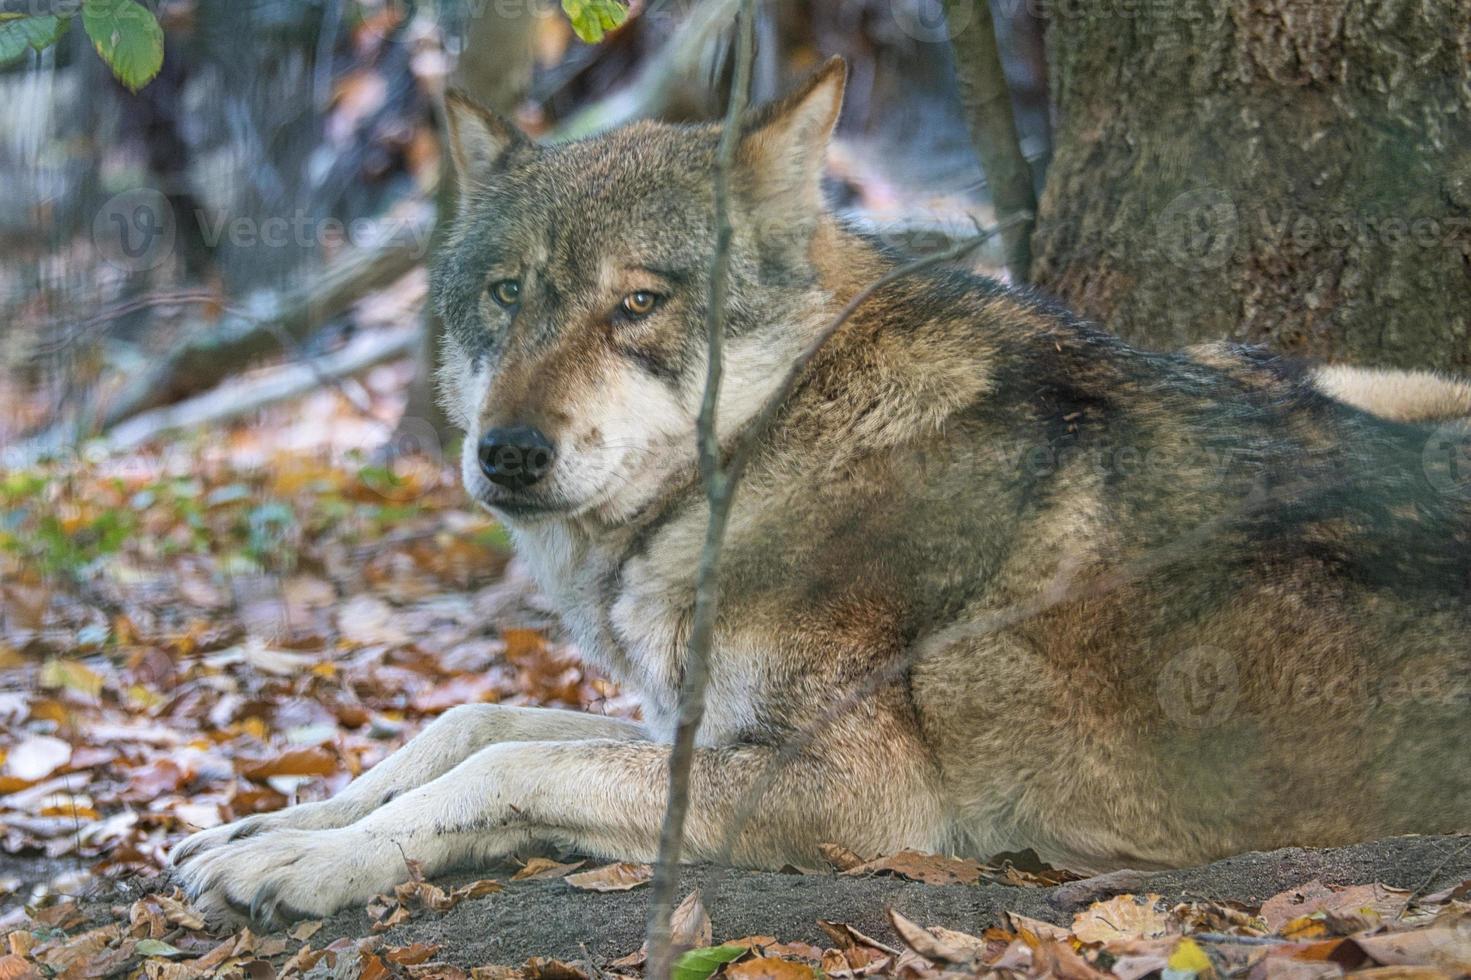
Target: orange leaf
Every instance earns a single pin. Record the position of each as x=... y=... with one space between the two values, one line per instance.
x=611 y=878
x=309 y=761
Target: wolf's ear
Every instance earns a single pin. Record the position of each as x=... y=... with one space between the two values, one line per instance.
x=479 y=140
x=784 y=144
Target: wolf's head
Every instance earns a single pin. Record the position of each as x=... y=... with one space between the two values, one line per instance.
x=574 y=286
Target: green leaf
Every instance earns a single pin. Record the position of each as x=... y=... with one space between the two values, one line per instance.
x=128 y=38
x=157 y=947
x=20 y=34
x=699 y=964
x=591 y=19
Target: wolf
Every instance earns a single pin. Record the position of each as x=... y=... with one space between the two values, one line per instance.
x=993 y=579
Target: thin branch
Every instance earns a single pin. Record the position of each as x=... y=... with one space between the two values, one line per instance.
x=987 y=101
x=719 y=490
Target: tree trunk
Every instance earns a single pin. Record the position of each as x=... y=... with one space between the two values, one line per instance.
x=1275 y=171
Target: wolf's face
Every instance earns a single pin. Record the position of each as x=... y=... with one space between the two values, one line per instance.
x=574 y=287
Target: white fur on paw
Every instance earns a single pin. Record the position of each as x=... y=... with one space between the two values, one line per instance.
x=306 y=816
x=282 y=875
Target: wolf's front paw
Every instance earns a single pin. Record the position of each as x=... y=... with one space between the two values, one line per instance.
x=304 y=816
x=282 y=875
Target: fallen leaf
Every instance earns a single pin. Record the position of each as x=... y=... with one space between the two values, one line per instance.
x=411 y=955
x=14 y=967
x=689 y=924
x=698 y=964
x=310 y=761
x=1365 y=902
x=839 y=856
x=71 y=675
x=37 y=757
x=847 y=937
x=305 y=930
x=538 y=968
x=769 y=968
x=612 y=878
x=475 y=889
x=1122 y=917
x=1444 y=947
x=959 y=950
x=932 y=869
x=1034 y=930
x=1188 y=959
x=539 y=868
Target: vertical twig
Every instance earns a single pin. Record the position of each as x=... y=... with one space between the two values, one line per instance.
x=719 y=489
x=987 y=102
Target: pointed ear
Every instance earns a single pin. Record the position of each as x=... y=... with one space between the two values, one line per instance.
x=784 y=144
x=480 y=141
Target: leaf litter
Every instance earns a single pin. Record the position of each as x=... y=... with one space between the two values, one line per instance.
x=232 y=625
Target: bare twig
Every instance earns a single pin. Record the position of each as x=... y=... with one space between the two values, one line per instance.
x=987 y=101
x=719 y=489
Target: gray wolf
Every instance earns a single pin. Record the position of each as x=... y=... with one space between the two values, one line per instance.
x=995 y=579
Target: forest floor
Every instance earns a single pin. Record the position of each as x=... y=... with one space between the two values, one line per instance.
x=250 y=617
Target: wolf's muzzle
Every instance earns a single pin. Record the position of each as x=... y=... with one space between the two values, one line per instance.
x=515 y=457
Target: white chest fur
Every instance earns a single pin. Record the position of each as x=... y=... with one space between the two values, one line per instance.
x=632 y=618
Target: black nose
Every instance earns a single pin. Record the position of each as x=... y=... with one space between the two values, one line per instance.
x=515 y=457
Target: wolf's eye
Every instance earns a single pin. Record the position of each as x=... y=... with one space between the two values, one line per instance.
x=640 y=304
x=507 y=292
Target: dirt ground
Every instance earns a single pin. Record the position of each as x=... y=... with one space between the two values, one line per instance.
x=551 y=918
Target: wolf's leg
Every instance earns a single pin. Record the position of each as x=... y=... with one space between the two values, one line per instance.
x=602 y=798
x=448 y=741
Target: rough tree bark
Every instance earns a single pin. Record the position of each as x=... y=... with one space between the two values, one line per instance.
x=1276 y=171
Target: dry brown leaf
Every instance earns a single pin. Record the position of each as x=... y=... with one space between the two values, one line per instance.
x=769 y=968
x=63 y=915
x=1442 y=947
x=1123 y=917
x=306 y=929
x=1034 y=931
x=177 y=911
x=1059 y=959
x=475 y=889
x=932 y=869
x=411 y=955
x=539 y=868
x=538 y=968
x=931 y=946
x=13 y=967
x=689 y=925
x=847 y=937
x=1366 y=902
x=839 y=856
x=494 y=972
x=612 y=878
x=311 y=760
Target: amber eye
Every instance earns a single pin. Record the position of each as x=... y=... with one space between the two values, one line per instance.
x=507 y=292
x=641 y=303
